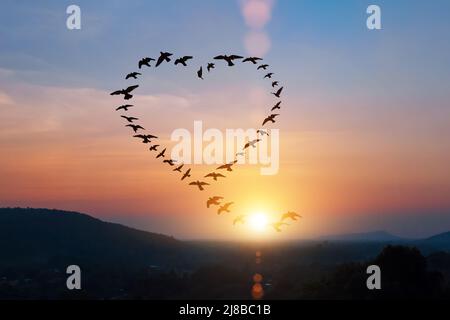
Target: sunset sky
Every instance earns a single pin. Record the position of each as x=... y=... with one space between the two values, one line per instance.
x=364 y=127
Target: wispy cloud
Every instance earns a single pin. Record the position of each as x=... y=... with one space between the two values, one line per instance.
x=5 y=99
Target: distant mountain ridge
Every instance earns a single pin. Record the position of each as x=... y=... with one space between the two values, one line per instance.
x=442 y=237
x=380 y=236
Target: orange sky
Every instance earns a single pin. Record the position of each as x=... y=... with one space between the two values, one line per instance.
x=71 y=160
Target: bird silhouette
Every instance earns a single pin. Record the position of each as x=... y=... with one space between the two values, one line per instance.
x=240 y=154
x=269 y=75
x=277 y=106
x=186 y=175
x=210 y=66
x=124 y=107
x=253 y=60
x=278 y=93
x=277 y=225
x=252 y=143
x=199 y=184
x=290 y=215
x=161 y=154
x=225 y=207
x=227 y=166
x=214 y=175
x=179 y=168
x=213 y=201
x=228 y=59
x=200 y=73
x=274 y=84
x=183 y=60
x=171 y=162
x=135 y=127
x=240 y=219
x=145 y=62
x=263 y=66
x=126 y=92
x=130 y=119
x=132 y=75
x=154 y=147
x=262 y=132
x=145 y=137
x=165 y=56
x=270 y=118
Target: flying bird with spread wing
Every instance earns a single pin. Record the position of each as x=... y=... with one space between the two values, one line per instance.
x=179 y=168
x=277 y=106
x=290 y=215
x=263 y=66
x=253 y=60
x=213 y=201
x=269 y=75
x=130 y=119
x=154 y=147
x=125 y=107
x=270 y=118
x=214 y=175
x=199 y=184
x=187 y=174
x=171 y=162
x=275 y=84
x=225 y=207
x=277 y=225
x=278 y=93
x=183 y=60
x=239 y=219
x=135 y=127
x=126 y=92
x=146 y=138
x=251 y=143
x=200 y=73
x=132 y=75
x=210 y=66
x=228 y=59
x=227 y=166
x=164 y=56
x=262 y=132
x=145 y=62
x=161 y=154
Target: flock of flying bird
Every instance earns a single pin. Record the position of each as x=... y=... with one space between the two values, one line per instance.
x=223 y=207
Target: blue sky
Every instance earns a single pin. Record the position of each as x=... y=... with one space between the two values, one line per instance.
x=413 y=40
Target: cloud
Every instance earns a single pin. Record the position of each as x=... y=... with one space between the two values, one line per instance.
x=5 y=99
x=165 y=101
x=6 y=73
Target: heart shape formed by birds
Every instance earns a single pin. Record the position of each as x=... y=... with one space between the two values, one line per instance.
x=161 y=151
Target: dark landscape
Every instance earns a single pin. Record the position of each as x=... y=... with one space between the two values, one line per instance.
x=118 y=262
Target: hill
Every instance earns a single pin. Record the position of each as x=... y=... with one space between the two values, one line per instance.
x=43 y=236
x=442 y=237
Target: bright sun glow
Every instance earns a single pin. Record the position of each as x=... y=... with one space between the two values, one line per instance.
x=258 y=221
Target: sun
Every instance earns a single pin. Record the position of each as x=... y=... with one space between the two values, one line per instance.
x=258 y=221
